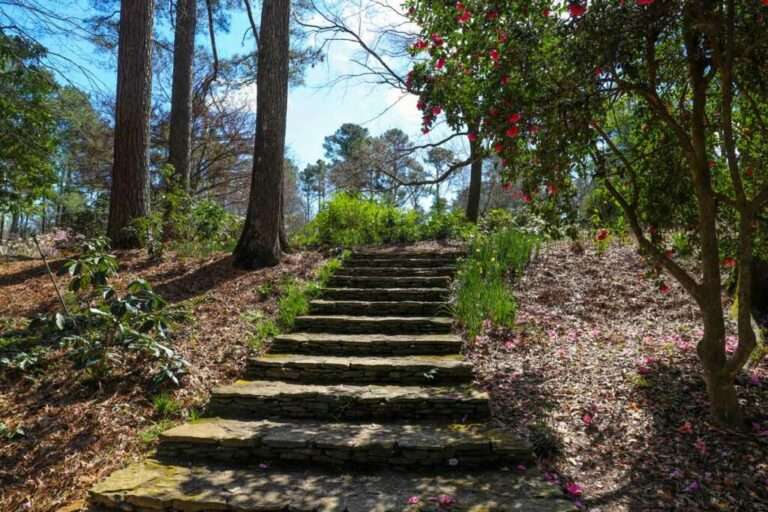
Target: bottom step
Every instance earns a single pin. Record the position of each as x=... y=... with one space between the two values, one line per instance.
x=151 y=486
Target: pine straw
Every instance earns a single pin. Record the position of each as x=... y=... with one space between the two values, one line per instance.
x=603 y=366
x=77 y=433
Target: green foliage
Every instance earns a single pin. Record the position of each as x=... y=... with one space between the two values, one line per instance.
x=27 y=126
x=151 y=434
x=105 y=330
x=294 y=302
x=165 y=405
x=349 y=220
x=483 y=281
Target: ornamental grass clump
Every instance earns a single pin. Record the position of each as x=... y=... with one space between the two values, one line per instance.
x=484 y=279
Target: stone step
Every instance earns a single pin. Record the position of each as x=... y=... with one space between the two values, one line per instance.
x=366 y=344
x=373 y=324
x=404 y=446
x=406 y=255
x=387 y=294
x=445 y=271
x=378 y=308
x=152 y=485
x=388 y=282
x=418 y=370
x=408 y=262
x=278 y=399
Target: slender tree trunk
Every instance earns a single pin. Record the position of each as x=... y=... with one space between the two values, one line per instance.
x=129 y=196
x=475 y=181
x=2 y=227
x=259 y=243
x=180 y=136
x=14 y=223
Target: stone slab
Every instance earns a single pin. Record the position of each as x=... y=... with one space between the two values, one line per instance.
x=278 y=399
x=420 y=370
x=379 y=308
x=450 y=447
x=447 y=270
x=153 y=486
x=366 y=344
x=373 y=324
x=389 y=282
x=386 y=294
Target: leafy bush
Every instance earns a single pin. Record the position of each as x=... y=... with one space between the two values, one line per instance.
x=104 y=330
x=483 y=280
x=348 y=220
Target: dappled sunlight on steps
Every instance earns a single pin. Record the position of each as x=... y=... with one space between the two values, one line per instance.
x=371 y=385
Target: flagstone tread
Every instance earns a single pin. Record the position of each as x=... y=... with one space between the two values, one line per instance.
x=327 y=369
x=398 y=254
x=400 y=262
x=386 y=294
x=389 y=281
x=366 y=344
x=152 y=486
x=272 y=399
x=378 y=308
x=373 y=324
x=397 y=271
x=397 y=445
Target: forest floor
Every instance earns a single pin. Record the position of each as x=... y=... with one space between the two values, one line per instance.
x=74 y=433
x=602 y=373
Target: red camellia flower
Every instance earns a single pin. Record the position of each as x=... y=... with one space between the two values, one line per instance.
x=440 y=64
x=505 y=79
x=515 y=118
x=420 y=44
x=425 y=130
x=546 y=13
x=506 y=186
x=436 y=110
x=729 y=262
x=494 y=55
x=575 y=9
x=513 y=131
x=492 y=15
x=437 y=39
x=552 y=189
x=420 y=105
x=464 y=17
x=601 y=235
x=472 y=137
x=527 y=198
x=645 y=2
x=498 y=147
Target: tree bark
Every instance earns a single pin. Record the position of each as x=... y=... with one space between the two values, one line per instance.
x=129 y=195
x=259 y=243
x=475 y=182
x=180 y=135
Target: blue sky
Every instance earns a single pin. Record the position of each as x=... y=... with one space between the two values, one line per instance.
x=315 y=109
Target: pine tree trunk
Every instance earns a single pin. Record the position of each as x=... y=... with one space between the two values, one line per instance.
x=259 y=243
x=180 y=136
x=475 y=182
x=129 y=195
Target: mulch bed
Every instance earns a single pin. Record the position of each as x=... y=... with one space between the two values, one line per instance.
x=75 y=432
x=601 y=373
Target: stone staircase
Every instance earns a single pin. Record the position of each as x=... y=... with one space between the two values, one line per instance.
x=366 y=406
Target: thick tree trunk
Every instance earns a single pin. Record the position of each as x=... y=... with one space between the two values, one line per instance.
x=259 y=243
x=475 y=182
x=180 y=136
x=129 y=196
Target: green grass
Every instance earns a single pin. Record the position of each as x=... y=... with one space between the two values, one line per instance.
x=484 y=279
x=150 y=435
x=166 y=406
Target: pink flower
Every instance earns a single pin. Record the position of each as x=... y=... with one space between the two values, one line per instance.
x=754 y=379
x=664 y=289
x=587 y=420
x=573 y=489
x=414 y=500
x=446 y=501
x=701 y=446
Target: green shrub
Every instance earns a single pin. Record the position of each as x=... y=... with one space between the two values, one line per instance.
x=348 y=221
x=166 y=406
x=484 y=278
